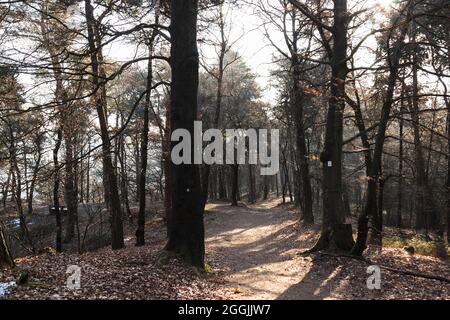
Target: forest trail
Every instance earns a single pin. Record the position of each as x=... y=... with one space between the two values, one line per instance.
x=256 y=248
x=260 y=252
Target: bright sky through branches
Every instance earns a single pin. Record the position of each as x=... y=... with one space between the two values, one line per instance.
x=251 y=44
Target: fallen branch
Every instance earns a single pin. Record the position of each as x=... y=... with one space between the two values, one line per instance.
x=367 y=261
x=416 y=274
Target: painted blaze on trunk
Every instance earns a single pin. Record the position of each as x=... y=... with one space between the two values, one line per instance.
x=186 y=231
x=335 y=235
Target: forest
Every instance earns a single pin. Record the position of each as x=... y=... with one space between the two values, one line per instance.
x=224 y=150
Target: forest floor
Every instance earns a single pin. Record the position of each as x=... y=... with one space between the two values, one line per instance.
x=260 y=249
x=254 y=252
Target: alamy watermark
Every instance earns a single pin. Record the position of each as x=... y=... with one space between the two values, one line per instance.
x=374 y=280
x=258 y=149
x=74 y=277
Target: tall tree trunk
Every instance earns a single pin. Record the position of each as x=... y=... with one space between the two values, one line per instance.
x=167 y=167
x=265 y=188
x=376 y=237
x=400 y=168
x=302 y=153
x=335 y=233
x=371 y=198
x=81 y=176
x=219 y=94
x=306 y=200
x=186 y=234
x=251 y=185
x=140 y=232
x=111 y=179
x=88 y=171
x=56 y=183
x=277 y=188
x=36 y=169
x=124 y=180
x=25 y=170
x=137 y=152
x=69 y=185
x=6 y=188
x=447 y=103
x=62 y=100
x=234 y=184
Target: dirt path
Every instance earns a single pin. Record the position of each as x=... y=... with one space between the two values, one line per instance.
x=258 y=248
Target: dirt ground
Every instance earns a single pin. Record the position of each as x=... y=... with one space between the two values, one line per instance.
x=254 y=253
x=259 y=246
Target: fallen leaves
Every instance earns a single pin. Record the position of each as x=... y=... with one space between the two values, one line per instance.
x=131 y=273
x=254 y=256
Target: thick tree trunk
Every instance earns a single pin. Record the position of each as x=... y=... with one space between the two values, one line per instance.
x=186 y=233
x=335 y=233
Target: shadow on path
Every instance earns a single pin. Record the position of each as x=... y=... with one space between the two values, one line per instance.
x=259 y=246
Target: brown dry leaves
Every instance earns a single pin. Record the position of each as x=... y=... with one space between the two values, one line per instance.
x=262 y=248
x=131 y=273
